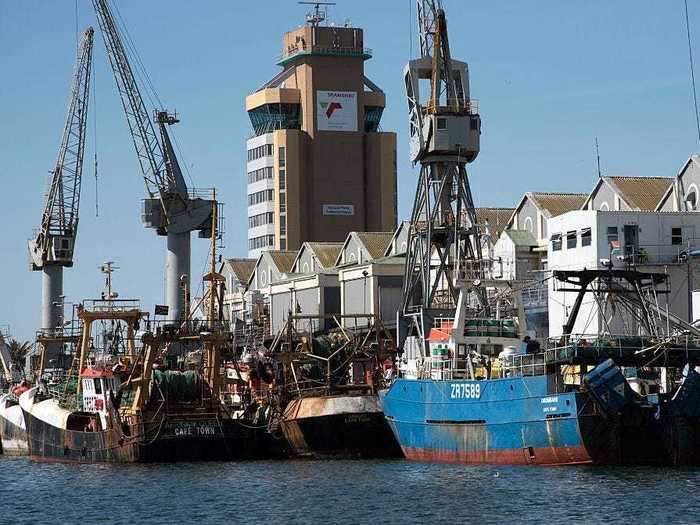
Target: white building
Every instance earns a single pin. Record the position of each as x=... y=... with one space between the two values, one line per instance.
x=535 y=209
x=628 y=193
x=236 y=273
x=683 y=194
x=650 y=241
x=261 y=186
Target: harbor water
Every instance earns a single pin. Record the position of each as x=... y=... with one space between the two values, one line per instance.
x=394 y=491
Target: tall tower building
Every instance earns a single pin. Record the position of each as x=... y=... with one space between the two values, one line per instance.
x=318 y=167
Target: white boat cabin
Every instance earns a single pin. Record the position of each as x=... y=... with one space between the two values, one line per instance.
x=96 y=386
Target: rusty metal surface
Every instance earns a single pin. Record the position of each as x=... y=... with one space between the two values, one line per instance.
x=338 y=426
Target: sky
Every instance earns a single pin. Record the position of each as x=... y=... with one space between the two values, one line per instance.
x=550 y=76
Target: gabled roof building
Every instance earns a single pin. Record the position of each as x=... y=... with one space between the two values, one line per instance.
x=627 y=193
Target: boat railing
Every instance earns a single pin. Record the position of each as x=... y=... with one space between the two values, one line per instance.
x=525 y=365
x=443 y=368
x=192 y=326
x=623 y=341
x=111 y=305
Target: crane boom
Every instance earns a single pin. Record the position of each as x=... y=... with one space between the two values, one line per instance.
x=51 y=248
x=426 y=12
x=55 y=239
x=159 y=180
x=169 y=208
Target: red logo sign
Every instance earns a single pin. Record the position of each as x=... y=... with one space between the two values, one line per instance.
x=332 y=107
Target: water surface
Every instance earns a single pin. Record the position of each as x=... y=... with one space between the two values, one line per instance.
x=343 y=492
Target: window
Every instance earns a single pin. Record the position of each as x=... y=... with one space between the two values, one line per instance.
x=260 y=197
x=586 y=237
x=261 y=219
x=441 y=123
x=283 y=244
x=691 y=198
x=98 y=386
x=261 y=242
x=612 y=235
x=283 y=202
x=260 y=151
x=283 y=180
x=282 y=157
x=570 y=240
x=676 y=236
x=258 y=175
x=556 y=242
x=283 y=224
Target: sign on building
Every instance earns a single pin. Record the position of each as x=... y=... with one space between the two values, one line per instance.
x=338 y=209
x=161 y=309
x=336 y=110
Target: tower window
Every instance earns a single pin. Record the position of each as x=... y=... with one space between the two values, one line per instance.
x=282 y=157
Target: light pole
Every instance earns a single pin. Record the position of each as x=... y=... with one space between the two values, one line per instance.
x=365 y=273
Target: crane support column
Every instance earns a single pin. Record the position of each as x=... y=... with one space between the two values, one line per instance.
x=177 y=273
x=444 y=241
x=51 y=297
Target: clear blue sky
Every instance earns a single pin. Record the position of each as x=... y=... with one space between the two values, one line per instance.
x=549 y=76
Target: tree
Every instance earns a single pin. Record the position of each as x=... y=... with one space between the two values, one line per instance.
x=18 y=352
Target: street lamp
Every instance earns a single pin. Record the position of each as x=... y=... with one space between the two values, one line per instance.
x=365 y=273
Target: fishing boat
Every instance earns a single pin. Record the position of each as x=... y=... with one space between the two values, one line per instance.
x=98 y=431
x=140 y=399
x=329 y=403
x=471 y=393
x=13 y=435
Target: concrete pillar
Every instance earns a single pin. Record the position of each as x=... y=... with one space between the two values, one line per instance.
x=51 y=309
x=51 y=302
x=177 y=265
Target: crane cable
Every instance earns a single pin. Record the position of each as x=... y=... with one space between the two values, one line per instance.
x=141 y=70
x=692 y=69
x=94 y=139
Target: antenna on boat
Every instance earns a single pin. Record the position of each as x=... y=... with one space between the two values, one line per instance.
x=692 y=69
x=108 y=269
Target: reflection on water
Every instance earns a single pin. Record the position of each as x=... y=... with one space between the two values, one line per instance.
x=343 y=492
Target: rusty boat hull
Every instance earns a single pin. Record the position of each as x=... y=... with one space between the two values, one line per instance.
x=169 y=437
x=340 y=426
x=515 y=421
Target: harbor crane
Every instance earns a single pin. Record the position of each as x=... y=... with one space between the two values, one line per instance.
x=170 y=208
x=52 y=246
x=445 y=129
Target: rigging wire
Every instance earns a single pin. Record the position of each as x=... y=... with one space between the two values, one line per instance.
x=692 y=69
x=77 y=37
x=410 y=29
x=141 y=70
x=94 y=141
x=182 y=158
